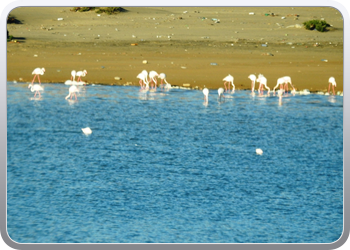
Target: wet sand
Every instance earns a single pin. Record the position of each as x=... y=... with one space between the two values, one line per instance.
x=198 y=46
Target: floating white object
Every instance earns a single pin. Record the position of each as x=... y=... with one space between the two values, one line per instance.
x=251 y=13
x=259 y=151
x=86 y=130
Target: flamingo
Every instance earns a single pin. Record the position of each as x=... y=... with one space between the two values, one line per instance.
x=81 y=74
x=36 y=72
x=252 y=77
x=284 y=80
x=87 y=130
x=221 y=93
x=37 y=88
x=73 y=74
x=229 y=79
x=262 y=80
x=72 y=91
x=162 y=77
x=143 y=80
x=206 y=94
x=334 y=84
x=152 y=77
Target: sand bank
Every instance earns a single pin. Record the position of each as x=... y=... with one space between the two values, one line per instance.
x=198 y=46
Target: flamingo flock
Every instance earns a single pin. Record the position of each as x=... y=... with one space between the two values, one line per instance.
x=148 y=81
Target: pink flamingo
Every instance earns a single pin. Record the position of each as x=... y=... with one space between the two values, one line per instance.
x=37 y=88
x=162 y=77
x=252 y=77
x=81 y=74
x=284 y=80
x=73 y=74
x=263 y=82
x=72 y=91
x=229 y=79
x=36 y=72
x=143 y=80
x=221 y=93
x=152 y=78
x=334 y=84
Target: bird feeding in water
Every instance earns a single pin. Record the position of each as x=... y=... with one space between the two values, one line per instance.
x=37 y=88
x=36 y=72
x=162 y=77
x=72 y=91
x=206 y=94
x=229 y=79
x=86 y=130
x=259 y=151
x=143 y=79
x=81 y=74
x=221 y=93
x=252 y=77
x=263 y=82
x=334 y=84
x=152 y=78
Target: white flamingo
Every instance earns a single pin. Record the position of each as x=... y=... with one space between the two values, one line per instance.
x=221 y=93
x=229 y=79
x=252 y=77
x=331 y=80
x=37 y=88
x=73 y=74
x=152 y=78
x=36 y=72
x=284 y=80
x=162 y=77
x=206 y=94
x=72 y=91
x=143 y=80
x=263 y=82
x=80 y=74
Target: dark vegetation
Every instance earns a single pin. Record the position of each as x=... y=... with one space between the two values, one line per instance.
x=107 y=10
x=320 y=26
x=13 y=20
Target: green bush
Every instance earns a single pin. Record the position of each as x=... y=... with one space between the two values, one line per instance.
x=99 y=10
x=320 y=26
x=82 y=9
x=110 y=10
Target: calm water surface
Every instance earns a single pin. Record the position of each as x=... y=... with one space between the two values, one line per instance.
x=164 y=168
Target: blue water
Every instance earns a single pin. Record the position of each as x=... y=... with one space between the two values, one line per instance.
x=165 y=168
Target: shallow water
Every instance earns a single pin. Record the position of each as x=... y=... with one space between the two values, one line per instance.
x=165 y=168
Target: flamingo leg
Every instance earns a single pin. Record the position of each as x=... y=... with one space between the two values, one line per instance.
x=333 y=89
x=155 y=83
x=225 y=86
x=329 y=87
x=33 y=79
x=39 y=79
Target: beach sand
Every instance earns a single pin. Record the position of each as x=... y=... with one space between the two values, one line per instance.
x=198 y=46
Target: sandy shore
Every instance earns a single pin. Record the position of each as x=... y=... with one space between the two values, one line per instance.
x=191 y=45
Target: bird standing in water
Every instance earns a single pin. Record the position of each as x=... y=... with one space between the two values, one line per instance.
x=36 y=72
x=37 y=88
